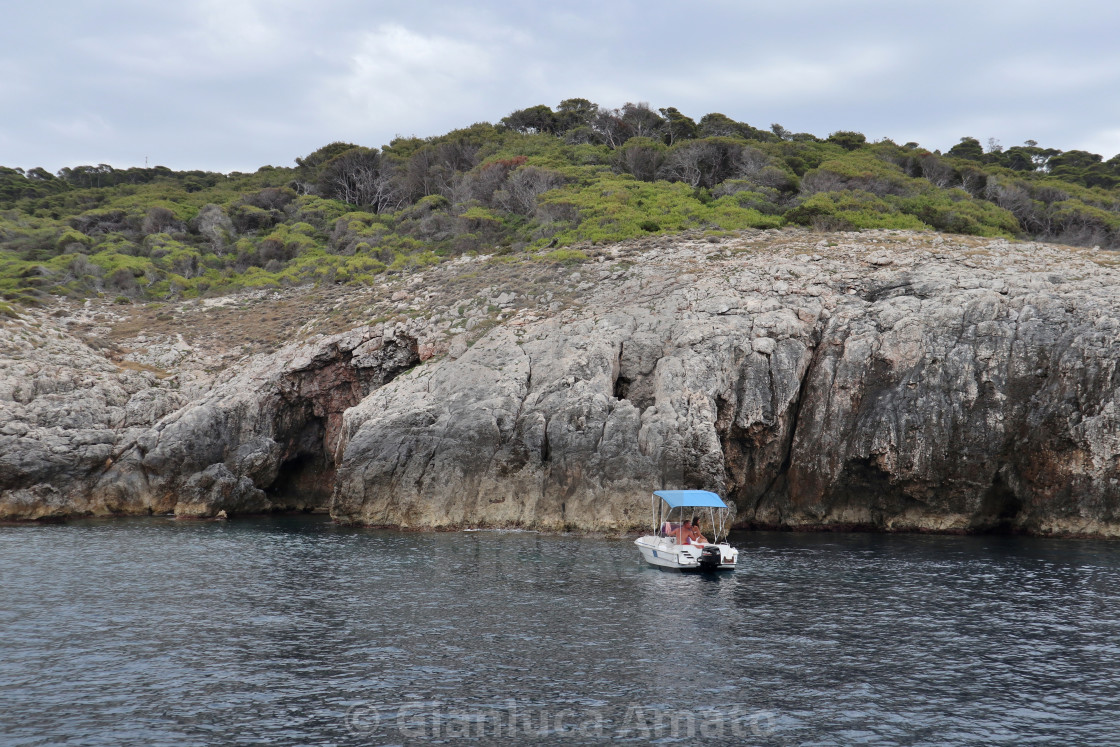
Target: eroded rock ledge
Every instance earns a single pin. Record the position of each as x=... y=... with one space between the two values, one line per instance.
x=886 y=380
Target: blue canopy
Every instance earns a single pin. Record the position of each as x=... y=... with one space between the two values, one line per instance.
x=690 y=498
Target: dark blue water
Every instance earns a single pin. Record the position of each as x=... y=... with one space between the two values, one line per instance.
x=296 y=631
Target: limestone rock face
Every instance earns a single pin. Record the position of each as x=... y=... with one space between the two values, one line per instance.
x=66 y=413
x=263 y=440
x=81 y=435
x=568 y=424
x=962 y=408
x=899 y=391
x=880 y=380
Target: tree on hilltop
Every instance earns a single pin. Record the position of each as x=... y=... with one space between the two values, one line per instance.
x=847 y=139
x=535 y=119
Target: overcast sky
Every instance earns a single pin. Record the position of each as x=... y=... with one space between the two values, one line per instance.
x=231 y=85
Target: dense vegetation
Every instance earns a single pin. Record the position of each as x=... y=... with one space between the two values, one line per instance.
x=541 y=179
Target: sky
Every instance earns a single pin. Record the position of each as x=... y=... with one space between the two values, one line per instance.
x=233 y=85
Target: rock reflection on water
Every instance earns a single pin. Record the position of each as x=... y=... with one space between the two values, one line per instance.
x=293 y=631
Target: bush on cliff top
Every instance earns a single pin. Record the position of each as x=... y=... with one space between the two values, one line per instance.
x=540 y=178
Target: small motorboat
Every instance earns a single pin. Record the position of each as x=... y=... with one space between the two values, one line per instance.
x=670 y=547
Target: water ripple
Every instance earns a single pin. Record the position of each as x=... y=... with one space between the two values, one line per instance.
x=296 y=631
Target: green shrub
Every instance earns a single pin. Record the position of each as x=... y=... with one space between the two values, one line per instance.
x=610 y=207
x=70 y=237
x=955 y=211
x=849 y=210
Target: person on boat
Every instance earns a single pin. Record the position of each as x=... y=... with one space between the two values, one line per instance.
x=694 y=536
x=681 y=533
x=688 y=534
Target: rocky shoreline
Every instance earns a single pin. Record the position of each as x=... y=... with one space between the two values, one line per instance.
x=881 y=380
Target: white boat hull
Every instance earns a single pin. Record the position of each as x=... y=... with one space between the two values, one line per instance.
x=664 y=552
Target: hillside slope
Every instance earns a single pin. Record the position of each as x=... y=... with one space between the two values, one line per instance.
x=540 y=179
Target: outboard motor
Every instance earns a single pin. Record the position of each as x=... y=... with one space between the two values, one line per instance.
x=710 y=558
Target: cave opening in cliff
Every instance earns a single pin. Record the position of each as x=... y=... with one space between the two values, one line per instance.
x=622 y=387
x=309 y=426
x=305 y=477
x=999 y=509
x=303 y=483
x=638 y=391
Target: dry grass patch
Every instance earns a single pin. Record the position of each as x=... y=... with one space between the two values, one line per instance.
x=126 y=365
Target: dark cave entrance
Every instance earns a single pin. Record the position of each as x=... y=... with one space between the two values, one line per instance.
x=638 y=391
x=999 y=509
x=307 y=424
x=305 y=478
x=303 y=483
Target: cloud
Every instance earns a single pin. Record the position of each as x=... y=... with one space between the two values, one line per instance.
x=789 y=79
x=1106 y=142
x=200 y=40
x=402 y=78
x=86 y=127
x=15 y=80
x=1043 y=74
x=234 y=85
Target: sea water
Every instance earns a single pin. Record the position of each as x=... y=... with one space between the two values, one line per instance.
x=294 y=631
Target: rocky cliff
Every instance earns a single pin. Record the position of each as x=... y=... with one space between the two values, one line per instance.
x=881 y=380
